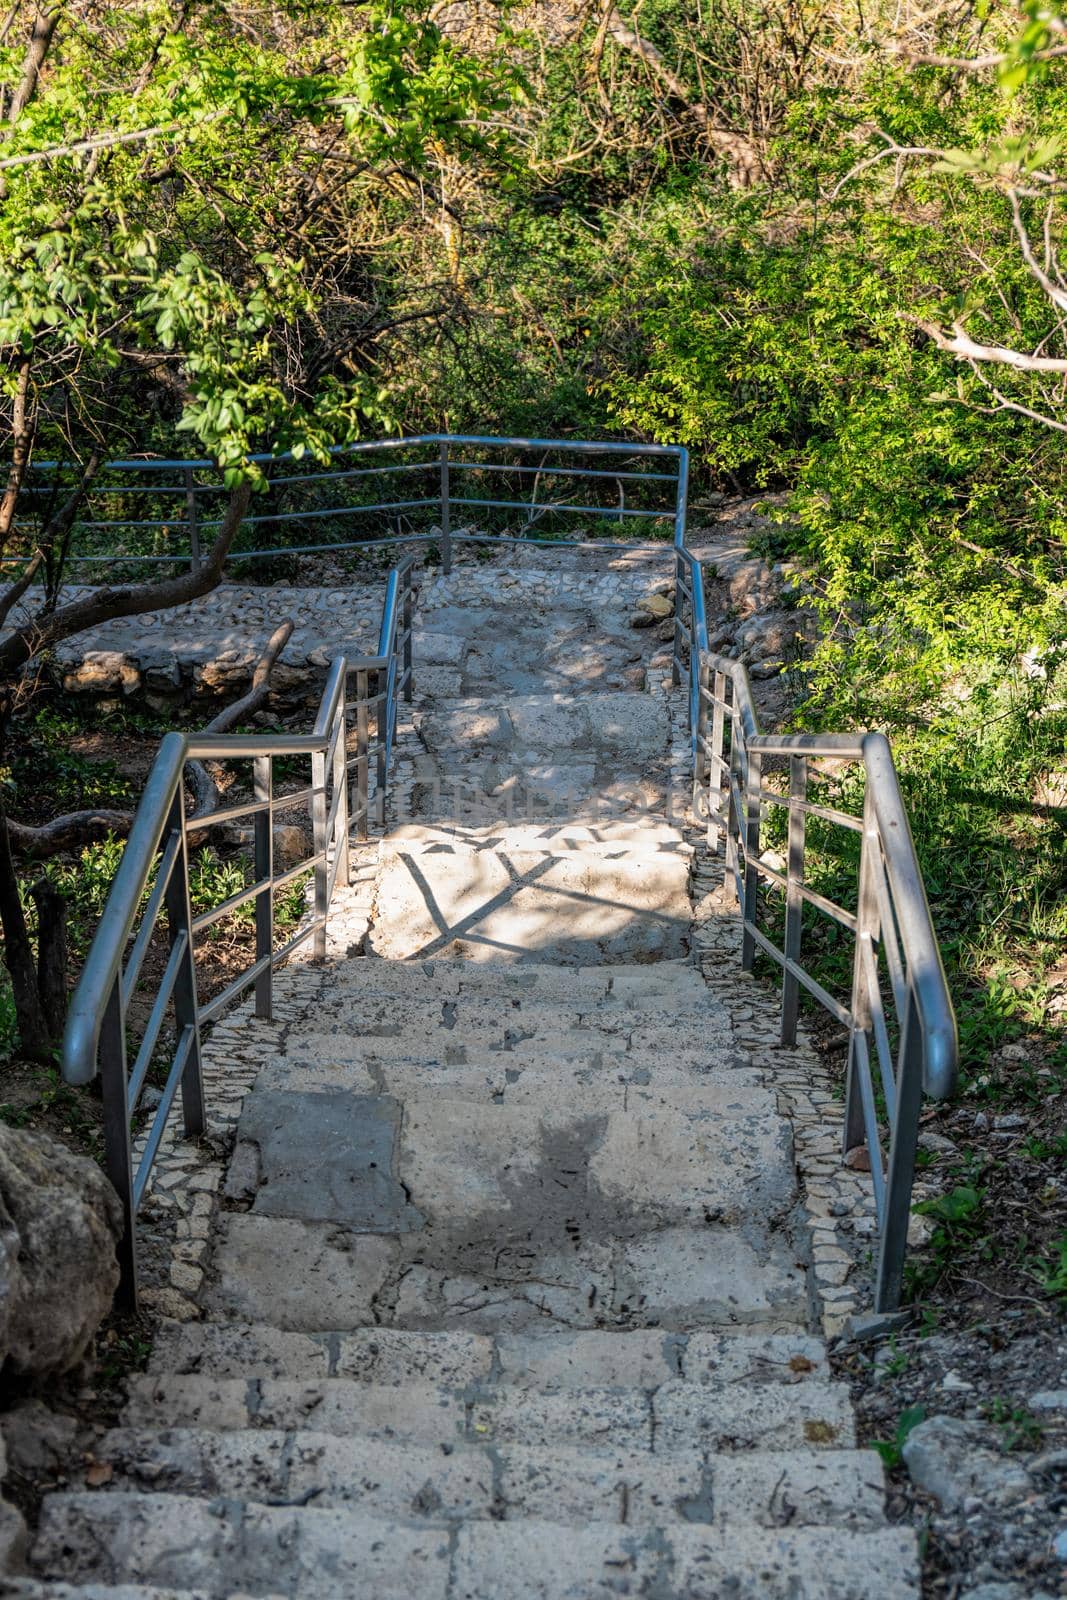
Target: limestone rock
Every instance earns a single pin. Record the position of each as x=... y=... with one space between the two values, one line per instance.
x=101 y=672
x=955 y=1462
x=12 y=1539
x=291 y=845
x=59 y=1224
x=37 y=1440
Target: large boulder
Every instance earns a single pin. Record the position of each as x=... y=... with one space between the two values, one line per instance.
x=60 y=1220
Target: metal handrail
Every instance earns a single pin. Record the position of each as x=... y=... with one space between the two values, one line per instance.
x=97 y=1026
x=892 y=920
x=441 y=461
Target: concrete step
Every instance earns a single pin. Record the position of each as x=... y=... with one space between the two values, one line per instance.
x=725 y=1154
x=630 y=726
x=555 y=1275
x=227 y=1547
x=38 y=1589
x=644 y=1358
x=624 y=1160
x=501 y=904
x=652 y=834
x=396 y=1024
x=590 y=1084
x=645 y=1045
x=542 y=1561
x=676 y=1416
x=381 y=1478
x=623 y=984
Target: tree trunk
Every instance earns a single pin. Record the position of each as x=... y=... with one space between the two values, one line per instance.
x=51 y=955
x=34 y=1039
x=103 y=605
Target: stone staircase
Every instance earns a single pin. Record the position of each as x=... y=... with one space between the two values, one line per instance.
x=507 y=1295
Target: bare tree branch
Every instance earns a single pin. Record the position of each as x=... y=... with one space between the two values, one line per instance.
x=103 y=605
x=205 y=789
x=959 y=343
x=1057 y=295
x=69 y=832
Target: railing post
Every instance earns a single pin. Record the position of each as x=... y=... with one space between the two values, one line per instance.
x=362 y=807
x=735 y=820
x=320 y=845
x=750 y=886
x=340 y=792
x=718 y=723
x=186 y=1010
x=263 y=833
x=700 y=735
x=903 y=1139
x=794 y=900
x=381 y=739
x=409 y=686
x=192 y=520
x=446 y=510
x=118 y=1158
x=867 y=929
x=679 y=629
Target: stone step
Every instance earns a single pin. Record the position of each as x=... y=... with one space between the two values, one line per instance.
x=621 y=985
x=620 y=1162
x=644 y=1358
x=37 y=1589
x=648 y=1042
x=653 y=834
x=630 y=726
x=228 y=1547
x=306 y=1275
x=382 y=1478
x=499 y=904
x=542 y=1561
x=676 y=1416
x=386 y=1024
x=725 y=1154
x=598 y=1084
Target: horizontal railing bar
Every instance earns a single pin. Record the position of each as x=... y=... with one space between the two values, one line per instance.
x=289 y=802
x=544 y=506
x=287 y=877
x=213 y=819
x=285 y=951
x=353 y=472
x=555 y=472
x=811 y=808
x=848 y=746
x=155 y=1020
x=207 y=919
x=378 y=542
x=167 y=861
x=181 y=1059
x=400 y=442
x=222 y=746
x=839 y=914
x=770 y=873
x=178 y=521
x=835 y=1008
x=209 y=1012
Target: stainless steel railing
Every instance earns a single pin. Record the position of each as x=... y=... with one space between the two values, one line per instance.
x=899 y=1016
x=153 y=879
x=898 y=985
x=647 y=484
